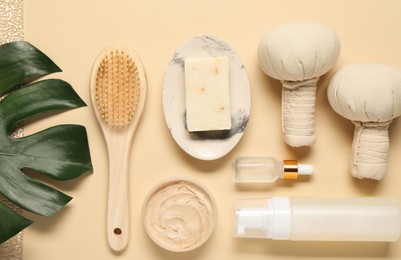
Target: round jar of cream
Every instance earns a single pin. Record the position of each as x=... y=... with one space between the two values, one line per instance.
x=179 y=214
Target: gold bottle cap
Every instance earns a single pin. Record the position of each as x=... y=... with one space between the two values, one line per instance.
x=290 y=169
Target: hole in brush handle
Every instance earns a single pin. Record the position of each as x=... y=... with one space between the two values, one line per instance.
x=117 y=231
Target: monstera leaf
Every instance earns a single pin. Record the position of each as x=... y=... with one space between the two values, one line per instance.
x=60 y=152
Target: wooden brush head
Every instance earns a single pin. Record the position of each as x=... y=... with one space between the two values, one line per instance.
x=117 y=87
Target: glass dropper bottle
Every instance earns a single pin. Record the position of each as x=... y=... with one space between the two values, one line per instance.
x=268 y=169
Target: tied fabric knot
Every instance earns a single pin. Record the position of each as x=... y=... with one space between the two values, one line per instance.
x=370 y=149
x=377 y=125
x=298 y=108
x=296 y=84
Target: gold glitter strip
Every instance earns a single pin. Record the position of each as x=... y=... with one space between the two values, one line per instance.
x=11 y=20
x=12 y=29
x=12 y=249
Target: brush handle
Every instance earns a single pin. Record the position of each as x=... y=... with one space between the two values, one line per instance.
x=118 y=206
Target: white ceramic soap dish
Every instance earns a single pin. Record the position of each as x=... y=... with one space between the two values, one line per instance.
x=205 y=145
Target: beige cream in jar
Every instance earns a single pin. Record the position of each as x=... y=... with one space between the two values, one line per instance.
x=179 y=214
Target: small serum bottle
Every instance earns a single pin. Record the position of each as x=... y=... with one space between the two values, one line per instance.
x=318 y=219
x=268 y=169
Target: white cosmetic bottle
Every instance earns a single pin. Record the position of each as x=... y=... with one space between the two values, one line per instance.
x=268 y=169
x=318 y=219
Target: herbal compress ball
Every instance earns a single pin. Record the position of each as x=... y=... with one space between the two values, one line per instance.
x=297 y=54
x=369 y=95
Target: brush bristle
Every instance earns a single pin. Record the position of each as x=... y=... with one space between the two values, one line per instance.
x=117 y=88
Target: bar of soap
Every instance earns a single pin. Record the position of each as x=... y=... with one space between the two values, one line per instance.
x=207 y=94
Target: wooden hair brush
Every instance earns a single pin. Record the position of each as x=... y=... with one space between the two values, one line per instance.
x=118 y=91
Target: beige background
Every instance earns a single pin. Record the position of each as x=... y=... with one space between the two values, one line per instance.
x=73 y=32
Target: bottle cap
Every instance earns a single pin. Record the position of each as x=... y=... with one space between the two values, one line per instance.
x=305 y=169
x=292 y=169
